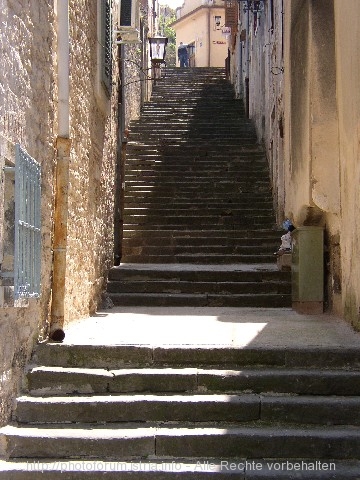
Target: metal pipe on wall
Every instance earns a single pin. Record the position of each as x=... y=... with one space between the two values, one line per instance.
x=209 y=38
x=63 y=145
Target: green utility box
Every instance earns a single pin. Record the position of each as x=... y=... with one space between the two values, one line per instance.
x=307 y=270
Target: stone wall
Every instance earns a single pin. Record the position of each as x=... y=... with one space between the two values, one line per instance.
x=93 y=132
x=27 y=117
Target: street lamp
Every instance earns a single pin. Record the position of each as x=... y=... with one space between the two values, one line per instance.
x=158 y=49
x=157 y=54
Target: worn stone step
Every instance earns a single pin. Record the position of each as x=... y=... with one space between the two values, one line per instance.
x=200 y=210
x=50 y=381
x=204 y=258
x=199 y=273
x=165 y=250
x=187 y=229
x=136 y=469
x=224 y=288
x=119 y=356
x=185 y=206
x=261 y=300
x=228 y=199
x=245 y=233
x=120 y=442
x=190 y=469
x=189 y=408
x=136 y=242
x=200 y=220
x=243 y=155
x=147 y=408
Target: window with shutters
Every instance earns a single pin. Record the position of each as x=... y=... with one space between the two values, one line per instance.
x=231 y=14
x=20 y=256
x=27 y=259
x=106 y=44
x=125 y=13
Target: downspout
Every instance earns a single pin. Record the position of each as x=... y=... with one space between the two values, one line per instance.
x=247 y=88
x=120 y=162
x=63 y=145
x=209 y=38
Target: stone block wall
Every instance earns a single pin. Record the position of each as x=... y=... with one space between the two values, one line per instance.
x=27 y=89
x=93 y=132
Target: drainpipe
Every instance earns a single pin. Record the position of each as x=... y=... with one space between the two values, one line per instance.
x=63 y=145
x=209 y=38
x=247 y=88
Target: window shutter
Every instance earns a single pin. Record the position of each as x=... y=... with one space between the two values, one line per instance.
x=106 y=41
x=125 y=13
x=231 y=13
x=27 y=258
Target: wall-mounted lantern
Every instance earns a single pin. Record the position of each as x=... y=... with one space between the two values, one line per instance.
x=158 y=49
x=157 y=54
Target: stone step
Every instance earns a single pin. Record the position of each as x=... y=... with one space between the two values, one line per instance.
x=202 y=250
x=194 y=287
x=189 y=469
x=195 y=408
x=227 y=235
x=176 y=241
x=196 y=142
x=121 y=356
x=176 y=171
x=129 y=228
x=156 y=210
x=200 y=220
x=58 y=381
x=184 y=124
x=200 y=258
x=206 y=202
x=119 y=441
x=267 y=300
x=185 y=134
x=144 y=408
x=199 y=273
x=193 y=182
x=232 y=198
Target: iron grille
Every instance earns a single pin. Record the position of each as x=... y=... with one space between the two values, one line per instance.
x=27 y=261
x=107 y=44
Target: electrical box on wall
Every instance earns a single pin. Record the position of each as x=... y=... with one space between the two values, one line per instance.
x=307 y=269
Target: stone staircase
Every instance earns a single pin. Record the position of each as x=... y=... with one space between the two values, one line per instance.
x=192 y=412
x=199 y=227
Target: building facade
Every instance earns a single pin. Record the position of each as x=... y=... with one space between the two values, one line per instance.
x=200 y=25
x=296 y=66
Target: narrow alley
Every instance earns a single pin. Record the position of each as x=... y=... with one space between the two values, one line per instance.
x=179 y=240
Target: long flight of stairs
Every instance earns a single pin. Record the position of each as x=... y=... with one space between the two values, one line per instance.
x=199 y=226
x=192 y=412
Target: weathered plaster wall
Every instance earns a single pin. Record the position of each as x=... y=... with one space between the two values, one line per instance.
x=297 y=109
x=347 y=17
x=27 y=92
x=311 y=130
x=261 y=53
